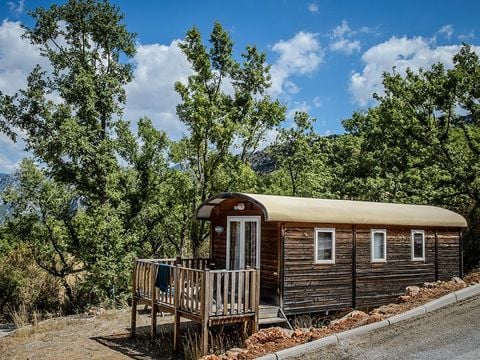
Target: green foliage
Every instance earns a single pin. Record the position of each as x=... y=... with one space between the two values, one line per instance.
x=155 y=198
x=23 y=285
x=68 y=112
x=227 y=114
x=421 y=143
x=69 y=208
x=300 y=161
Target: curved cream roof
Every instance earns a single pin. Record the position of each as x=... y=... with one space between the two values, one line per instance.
x=295 y=209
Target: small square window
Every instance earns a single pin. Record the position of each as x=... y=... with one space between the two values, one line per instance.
x=379 y=245
x=324 y=246
x=418 y=245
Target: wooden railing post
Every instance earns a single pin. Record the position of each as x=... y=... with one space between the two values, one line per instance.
x=178 y=261
x=206 y=306
x=153 y=274
x=257 y=299
x=176 y=302
x=133 y=325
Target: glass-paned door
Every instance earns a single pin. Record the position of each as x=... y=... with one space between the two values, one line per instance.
x=243 y=242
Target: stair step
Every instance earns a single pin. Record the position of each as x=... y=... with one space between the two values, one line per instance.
x=267 y=311
x=275 y=312
x=269 y=321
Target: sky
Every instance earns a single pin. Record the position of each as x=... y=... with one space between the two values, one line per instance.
x=326 y=57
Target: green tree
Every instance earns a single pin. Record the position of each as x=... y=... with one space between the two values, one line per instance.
x=227 y=113
x=67 y=113
x=41 y=218
x=153 y=193
x=70 y=208
x=421 y=143
x=300 y=168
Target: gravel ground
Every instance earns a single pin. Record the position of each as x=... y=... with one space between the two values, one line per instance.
x=449 y=333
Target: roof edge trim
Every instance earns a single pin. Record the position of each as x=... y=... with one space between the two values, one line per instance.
x=229 y=195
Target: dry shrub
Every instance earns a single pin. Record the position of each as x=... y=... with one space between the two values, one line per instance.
x=26 y=290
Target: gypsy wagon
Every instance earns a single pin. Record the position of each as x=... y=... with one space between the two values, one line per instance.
x=274 y=256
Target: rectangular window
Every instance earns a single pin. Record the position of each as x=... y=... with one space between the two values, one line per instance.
x=418 y=245
x=324 y=246
x=379 y=245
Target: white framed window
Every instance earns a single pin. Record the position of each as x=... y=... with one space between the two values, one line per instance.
x=324 y=246
x=418 y=245
x=379 y=245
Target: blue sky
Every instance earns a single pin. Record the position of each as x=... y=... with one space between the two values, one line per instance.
x=327 y=57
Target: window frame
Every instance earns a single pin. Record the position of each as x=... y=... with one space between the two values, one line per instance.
x=327 y=230
x=412 y=236
x=372 y=245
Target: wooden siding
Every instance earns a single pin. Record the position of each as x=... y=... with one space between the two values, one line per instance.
x=269 y=255
x=380 y=283
x=448 y=254
x=310 y=287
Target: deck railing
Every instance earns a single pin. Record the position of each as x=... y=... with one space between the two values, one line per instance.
x=189 y=288
x=234 y=292
x=197 y=290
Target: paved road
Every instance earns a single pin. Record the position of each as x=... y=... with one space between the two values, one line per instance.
x=449 y=333
x=6 y=329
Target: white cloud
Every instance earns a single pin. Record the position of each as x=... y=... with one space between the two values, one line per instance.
x=401 y=53
x=341 y=30
x=467 y=37
x=16 y=7
x=447 y=31
x=341 y=39
x=313 y=8
x=317 y=102
x=10 y=154
x=346 y=46
x=152 y=93
x=290 y=87
x=300 y=55
x=17 y=57
x=297 y=106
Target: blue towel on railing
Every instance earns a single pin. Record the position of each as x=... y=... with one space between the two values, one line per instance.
x=163 y=277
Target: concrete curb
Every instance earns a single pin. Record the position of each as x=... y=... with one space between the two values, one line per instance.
x=305 y=348
x=407 y=314
x=448 y=299
x=362 y=329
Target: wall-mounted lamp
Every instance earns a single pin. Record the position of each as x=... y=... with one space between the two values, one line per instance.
x=219 y=229
x=239 y=206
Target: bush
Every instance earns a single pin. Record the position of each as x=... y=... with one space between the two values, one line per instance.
x=25 y=288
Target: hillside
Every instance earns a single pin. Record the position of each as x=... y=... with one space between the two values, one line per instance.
x=5 y=180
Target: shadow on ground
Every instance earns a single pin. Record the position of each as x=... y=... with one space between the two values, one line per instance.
x=142 y=347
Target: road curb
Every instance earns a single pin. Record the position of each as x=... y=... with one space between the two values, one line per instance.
x=407 y=314
x=305 y=348
x=433 y=305
x=362 y=329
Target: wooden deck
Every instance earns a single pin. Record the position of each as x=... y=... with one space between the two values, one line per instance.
x=193 y=291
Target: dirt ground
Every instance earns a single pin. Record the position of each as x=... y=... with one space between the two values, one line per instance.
x=106 y=335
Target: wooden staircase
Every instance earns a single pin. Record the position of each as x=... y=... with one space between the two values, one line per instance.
x=272 y=315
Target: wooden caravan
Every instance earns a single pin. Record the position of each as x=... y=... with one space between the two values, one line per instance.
x=318 y=255
x=272 y=256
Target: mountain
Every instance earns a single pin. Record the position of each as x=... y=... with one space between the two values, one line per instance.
x=5 y=180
